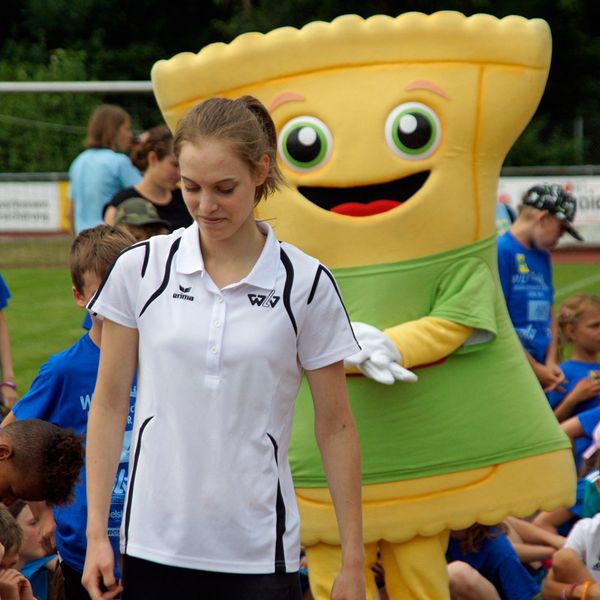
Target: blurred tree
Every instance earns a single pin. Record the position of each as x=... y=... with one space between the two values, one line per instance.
x=121 y=39
x=38 y=132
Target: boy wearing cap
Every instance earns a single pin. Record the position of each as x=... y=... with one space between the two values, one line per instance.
x=140 y=218
x=525 y=270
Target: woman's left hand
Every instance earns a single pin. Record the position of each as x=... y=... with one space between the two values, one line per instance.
x=349 y=585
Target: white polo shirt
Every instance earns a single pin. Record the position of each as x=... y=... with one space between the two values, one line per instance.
x=584 y=540
x=210 y=486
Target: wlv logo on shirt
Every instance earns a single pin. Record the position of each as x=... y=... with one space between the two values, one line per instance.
x=268 y=301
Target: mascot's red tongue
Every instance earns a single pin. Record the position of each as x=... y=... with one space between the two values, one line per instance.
x=357 y=209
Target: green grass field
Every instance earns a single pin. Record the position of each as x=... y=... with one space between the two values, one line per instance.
x=43 y=319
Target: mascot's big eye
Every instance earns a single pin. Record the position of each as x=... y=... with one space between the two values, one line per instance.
x=305 y=143
x=413 y=131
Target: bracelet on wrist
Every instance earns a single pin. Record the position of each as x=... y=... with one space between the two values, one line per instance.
x=586 y=586
x=9 y=384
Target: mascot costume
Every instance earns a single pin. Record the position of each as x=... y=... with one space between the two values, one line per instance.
x=392 y=132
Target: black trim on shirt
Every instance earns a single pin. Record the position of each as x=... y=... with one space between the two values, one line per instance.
x=146 y=245
x=132 y=481
x=95 y=297
x=287 y=288
x=166 y=277
x=280 y=522
x=313 y=290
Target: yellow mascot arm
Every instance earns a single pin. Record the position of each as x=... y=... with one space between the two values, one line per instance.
x=427 y=340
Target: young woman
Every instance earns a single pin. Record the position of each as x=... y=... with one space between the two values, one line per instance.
x=99 y=172
x=155 y=158
x=223 y=321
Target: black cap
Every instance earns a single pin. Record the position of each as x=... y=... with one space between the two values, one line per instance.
x=557 y=202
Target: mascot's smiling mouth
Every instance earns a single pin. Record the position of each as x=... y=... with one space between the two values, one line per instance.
x=365 y=200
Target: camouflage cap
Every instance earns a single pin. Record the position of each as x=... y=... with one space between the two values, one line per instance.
x=137 y=211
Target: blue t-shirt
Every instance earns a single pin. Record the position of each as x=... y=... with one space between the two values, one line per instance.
x=87 y=322
x=95 y=176
x=497 y=561
x=574 y=372
x=526 y=279
x=4 y=294
x=61 y=393
x=588 y=420
x=36 y=572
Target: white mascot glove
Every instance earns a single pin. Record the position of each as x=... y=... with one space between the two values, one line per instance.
x=378 y=358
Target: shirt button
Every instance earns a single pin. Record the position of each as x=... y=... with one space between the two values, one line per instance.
x=217 y=323
x=219 y=299
x=213 y=350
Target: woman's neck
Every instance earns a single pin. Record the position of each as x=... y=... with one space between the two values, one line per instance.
x=229 y=261
x=157 y=194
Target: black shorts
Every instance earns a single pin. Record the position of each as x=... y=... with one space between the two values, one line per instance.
x=145 y=580
x=74 y=590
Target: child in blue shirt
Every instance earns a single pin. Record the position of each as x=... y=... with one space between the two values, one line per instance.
x=578 y=405
x=62 y=391
x=526 y=275
x=579 y=326
x=489 y=552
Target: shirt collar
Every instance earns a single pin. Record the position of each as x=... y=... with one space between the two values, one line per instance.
x=262 y=275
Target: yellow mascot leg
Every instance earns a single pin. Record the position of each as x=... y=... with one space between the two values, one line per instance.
x=416 y=570
x=324 y=562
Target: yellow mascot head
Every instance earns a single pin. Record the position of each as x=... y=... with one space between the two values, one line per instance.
x=392 y=131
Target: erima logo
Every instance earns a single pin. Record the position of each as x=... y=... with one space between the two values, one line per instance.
x=183 y=294
x=268 y=301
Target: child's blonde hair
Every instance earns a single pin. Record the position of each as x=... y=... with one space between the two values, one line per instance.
x=569 y=313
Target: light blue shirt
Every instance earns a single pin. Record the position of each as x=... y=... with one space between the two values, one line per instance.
x=96 y=175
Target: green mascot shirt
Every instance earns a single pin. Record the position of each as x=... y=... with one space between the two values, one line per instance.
x=481 y=406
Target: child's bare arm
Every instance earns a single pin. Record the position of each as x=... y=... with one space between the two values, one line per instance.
x=9 y=391
x=553 y=519
x=534 y=534
x=585 y=389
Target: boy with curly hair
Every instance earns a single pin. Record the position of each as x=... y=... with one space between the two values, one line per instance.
x=61 y=394
x=39 y=461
